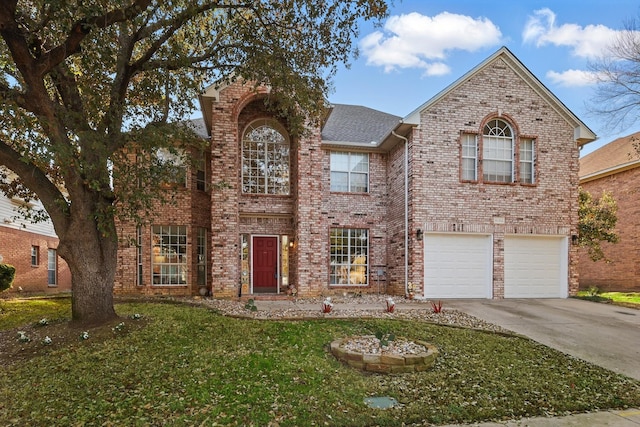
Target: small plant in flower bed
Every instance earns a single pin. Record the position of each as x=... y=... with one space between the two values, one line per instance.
x=391 y=305
x=437 y=307
x=118 y=328
x=23 y=337
x=385 y=338
x=251 y=305
x=327 y=305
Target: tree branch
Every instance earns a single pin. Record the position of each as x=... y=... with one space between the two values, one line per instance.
x=36 y=180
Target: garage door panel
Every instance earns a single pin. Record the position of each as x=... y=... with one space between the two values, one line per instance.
x=457 y=265
x=535 y=267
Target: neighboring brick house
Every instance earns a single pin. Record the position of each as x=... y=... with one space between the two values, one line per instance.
x=32 y=249
x=615 y=167
x=472 y=195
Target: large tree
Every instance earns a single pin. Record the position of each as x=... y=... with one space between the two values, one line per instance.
x=617 y=74
x=84 y=81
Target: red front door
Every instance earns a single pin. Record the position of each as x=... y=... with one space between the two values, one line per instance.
x=265 y=264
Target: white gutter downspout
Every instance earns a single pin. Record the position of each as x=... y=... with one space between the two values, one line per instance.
x=406 y=210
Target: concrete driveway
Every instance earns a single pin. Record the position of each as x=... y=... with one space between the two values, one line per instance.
x=603 y=334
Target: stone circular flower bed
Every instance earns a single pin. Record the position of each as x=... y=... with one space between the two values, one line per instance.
x=398 y=356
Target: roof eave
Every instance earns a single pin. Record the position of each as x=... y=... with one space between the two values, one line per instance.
x=609 y=171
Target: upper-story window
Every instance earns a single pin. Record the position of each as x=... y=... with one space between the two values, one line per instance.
x=350 y=172
x=527 y=161
x=173 y=162
x=469 y=157
x=265 y=159
x=497 y=152
x=494 y=154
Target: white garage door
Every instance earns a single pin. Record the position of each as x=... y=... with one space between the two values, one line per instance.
x=457 y=265
x=535 y=267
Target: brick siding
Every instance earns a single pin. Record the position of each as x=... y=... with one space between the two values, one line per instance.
x=621 y=270
x=16 y=250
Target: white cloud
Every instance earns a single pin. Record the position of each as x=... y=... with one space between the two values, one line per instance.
x=573 y=78
x=587 y=42
x=419 y=41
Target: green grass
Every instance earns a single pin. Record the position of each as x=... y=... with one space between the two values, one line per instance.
x=17 y=312
x=190 y=366
x=620 y=297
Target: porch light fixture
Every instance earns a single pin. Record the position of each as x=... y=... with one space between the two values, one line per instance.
x=291 y=242
x=419 y=234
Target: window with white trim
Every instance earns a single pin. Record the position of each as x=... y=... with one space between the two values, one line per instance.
x=52 y=267
x=349 y=172
x=139 y=262
x=349 y=256
x=469 y=157
x=265 y=159
x=201 y=250
x=527 y=161
x=497 y=152
x=172 y=161
x=35 y=256
x=169 y=263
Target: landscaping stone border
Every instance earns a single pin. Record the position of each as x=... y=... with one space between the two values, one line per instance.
x=386 y=363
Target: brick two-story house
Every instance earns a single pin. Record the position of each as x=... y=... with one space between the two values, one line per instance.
x=615 y=168
x=32 y=248
x=472 y=195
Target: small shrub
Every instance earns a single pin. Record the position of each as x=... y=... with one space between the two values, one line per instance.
x=7 y=274
x=593 y=291
x=437 y=308
x=327 y=305
x=251 y=305
x=384 y=339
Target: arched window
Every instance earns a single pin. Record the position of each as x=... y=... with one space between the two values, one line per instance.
x=497 y=152
x=265 y=159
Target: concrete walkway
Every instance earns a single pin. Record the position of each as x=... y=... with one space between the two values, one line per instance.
x=603 y=334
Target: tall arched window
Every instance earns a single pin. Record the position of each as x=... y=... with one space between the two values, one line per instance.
x=497 y=152
x=265 y=159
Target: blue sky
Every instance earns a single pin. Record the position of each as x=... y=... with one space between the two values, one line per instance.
x=425 y=45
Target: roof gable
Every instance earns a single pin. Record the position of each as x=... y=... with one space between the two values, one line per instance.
x=582 y=133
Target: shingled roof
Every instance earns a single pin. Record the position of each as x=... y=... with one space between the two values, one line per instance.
x=610 y=158
x=357 y=124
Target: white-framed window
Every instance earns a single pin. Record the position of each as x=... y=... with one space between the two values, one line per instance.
x=139 y=262
x=349 y=256
x=173 y=162
x=201 y=250
x=52 y=267
x=35 y=256
x=497 y=152
x=169 y=263
x=265 y=159
x=527 y=161
x=349 y=172
x=469 y=154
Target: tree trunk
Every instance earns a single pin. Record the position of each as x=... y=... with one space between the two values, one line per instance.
x=92 y=258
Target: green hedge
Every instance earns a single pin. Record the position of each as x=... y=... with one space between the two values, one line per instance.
x=7 y=274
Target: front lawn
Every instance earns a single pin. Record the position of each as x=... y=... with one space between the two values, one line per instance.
x=181 y=365
x=629 y=299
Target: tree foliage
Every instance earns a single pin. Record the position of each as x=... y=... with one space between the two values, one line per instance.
x=84 y=81
x=597 y=222
x=617 y=73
